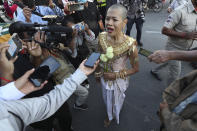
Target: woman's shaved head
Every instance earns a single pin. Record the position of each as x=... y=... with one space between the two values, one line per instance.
x=121 y=8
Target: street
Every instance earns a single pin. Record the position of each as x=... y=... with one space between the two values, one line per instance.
x=143 y=95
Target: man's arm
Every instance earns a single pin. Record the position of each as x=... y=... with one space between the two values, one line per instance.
x=162 y=56
x=173 y=20
x=37 y=109
x=185 y=35
x=10 y=92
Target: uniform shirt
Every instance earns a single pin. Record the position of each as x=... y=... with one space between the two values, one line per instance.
x=182 y=20
x=177 y=3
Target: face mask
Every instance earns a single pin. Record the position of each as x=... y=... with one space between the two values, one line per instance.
x=82 y=1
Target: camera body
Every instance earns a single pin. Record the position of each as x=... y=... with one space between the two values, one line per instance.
x=79 y=26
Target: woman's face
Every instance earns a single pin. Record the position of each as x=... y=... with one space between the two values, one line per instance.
x=114 y=22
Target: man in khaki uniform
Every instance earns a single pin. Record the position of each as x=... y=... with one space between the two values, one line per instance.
x=181 y=29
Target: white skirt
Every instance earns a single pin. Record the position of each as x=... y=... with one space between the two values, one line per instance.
x=113 y=96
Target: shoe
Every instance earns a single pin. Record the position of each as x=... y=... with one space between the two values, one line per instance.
x=156 y=75
x=87 y=86
x=140 y=44
x=81 y=107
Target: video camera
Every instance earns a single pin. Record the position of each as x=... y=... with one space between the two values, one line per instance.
x=55 y=33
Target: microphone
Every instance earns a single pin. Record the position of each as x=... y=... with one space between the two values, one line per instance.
x=18 y=27
x=21 y=5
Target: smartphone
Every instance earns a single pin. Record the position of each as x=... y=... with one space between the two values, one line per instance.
x=145 y=52
x=92 y=59
x=44 y=71
x=79 y=26
x=76 y=7
x=15 y=46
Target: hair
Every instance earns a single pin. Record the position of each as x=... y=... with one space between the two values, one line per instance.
x=67 y=19
x=120 y=7
x=29 y=3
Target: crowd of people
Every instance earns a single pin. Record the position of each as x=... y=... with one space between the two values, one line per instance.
x=90 y=26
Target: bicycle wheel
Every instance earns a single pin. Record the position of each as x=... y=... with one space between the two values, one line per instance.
x=158 y=7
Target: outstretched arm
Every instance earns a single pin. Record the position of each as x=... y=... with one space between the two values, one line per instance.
x=162 y=56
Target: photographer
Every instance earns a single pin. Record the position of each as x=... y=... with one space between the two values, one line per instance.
x=16 y=115
x=33 y=57
x=27 y=16
x=81 y=36
x=90 y=15
x=9 y=92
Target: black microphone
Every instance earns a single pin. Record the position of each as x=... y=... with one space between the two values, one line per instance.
x=21 y=5
x=18 y=27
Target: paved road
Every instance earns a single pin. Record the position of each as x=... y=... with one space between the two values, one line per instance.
x=143 y=95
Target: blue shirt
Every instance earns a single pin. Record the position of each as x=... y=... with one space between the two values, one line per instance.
x=44 y=10
x=183 y=104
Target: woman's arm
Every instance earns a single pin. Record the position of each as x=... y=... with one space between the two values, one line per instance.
x=134 y=61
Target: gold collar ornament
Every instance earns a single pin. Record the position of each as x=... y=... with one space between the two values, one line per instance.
x=122 y=49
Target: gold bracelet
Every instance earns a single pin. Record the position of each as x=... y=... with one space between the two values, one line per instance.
x=121 y=74
x=98 y=74
x=125 y=73
x=117 y=75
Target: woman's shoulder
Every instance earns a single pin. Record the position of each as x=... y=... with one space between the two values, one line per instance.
x=130 y=41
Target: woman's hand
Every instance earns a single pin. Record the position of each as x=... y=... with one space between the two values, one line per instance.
x=109 y=76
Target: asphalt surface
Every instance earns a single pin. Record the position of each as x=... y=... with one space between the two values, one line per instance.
x=143 y=95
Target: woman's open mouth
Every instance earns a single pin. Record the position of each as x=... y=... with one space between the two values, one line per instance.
x=110 y=30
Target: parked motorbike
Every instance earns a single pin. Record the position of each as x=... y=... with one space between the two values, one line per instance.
x=155 y=5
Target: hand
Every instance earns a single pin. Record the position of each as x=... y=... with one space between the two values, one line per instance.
x=169 y=10
x=51 y=5
x=75 y=32
x=33 y=48
x=160 y=56
x=27 y=14
x=86 y=27
x=191 y=35
x=4 y=45
x=40 y=37
x=25 y=86
x=109 y=76
x=87 y=70
x=6 y=66
x=66 y=9
x=163 y=105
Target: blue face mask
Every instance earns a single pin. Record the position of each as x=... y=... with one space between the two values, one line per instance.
x=82 y=1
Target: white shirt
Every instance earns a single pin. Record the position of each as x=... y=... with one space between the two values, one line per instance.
x=10 y=92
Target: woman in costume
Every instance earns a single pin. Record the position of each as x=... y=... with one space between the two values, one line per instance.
x=117 y=49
